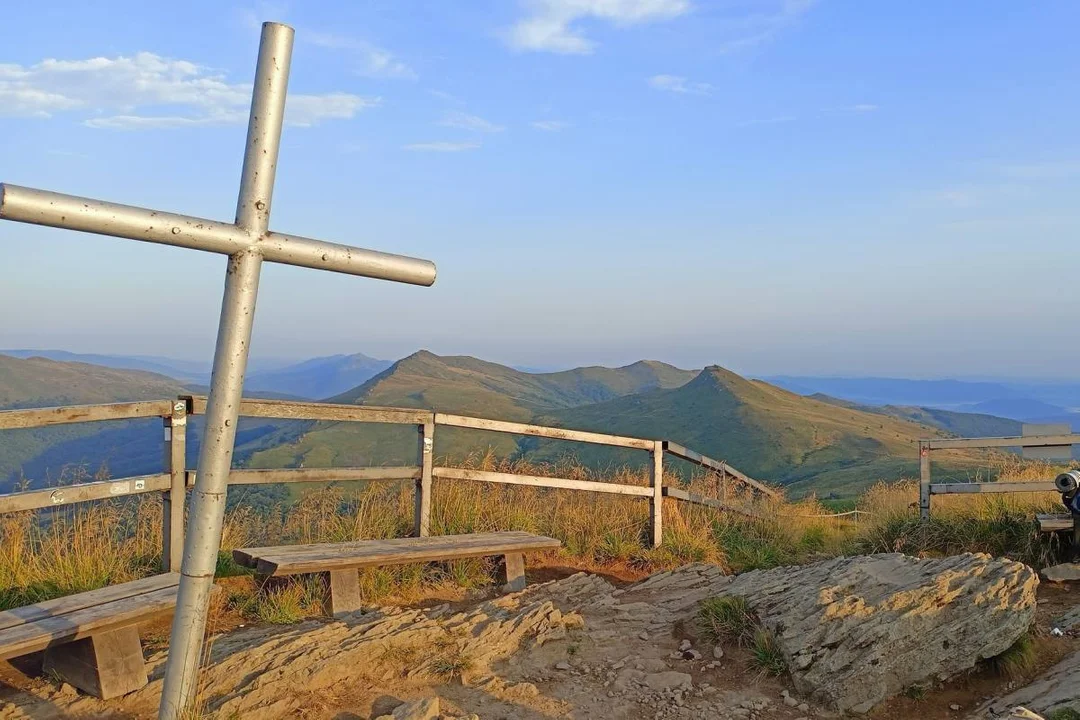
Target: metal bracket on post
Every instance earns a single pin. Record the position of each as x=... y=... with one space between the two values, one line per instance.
x=656 y=507
x=924 y=480
x=172 y=530
x=422 y=499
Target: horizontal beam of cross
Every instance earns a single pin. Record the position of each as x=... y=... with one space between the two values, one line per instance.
x=41 y=207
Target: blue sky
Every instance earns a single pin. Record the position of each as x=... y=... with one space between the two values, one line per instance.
x=832 y=187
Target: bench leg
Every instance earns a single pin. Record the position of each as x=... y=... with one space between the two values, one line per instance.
x=106 y=665
x=515 y=572
x=344 y=592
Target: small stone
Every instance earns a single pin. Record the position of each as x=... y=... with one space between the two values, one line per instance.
x=667 y=680
x=643 y=635
x=685 y=645
x=691 y=655
x=1062 y=573
x=803 y=707
x=423 y=709
x=562 y=666
x=954 y=707
x=790 y=701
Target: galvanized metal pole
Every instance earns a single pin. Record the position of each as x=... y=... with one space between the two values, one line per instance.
x=227 y=381
x=248 y=242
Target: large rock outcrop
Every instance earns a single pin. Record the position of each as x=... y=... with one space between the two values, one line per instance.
x=1056 y=689
x=857 y=630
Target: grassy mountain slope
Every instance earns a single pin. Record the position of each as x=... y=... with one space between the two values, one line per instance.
x=318 y=378
x=47 y=455
x=42 y=453
x=40 y=382
x=961 y=424
x=763 y=430
x=465 y=385
x=185 y=370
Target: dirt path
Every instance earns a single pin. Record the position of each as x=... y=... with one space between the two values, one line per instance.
x=634 y=657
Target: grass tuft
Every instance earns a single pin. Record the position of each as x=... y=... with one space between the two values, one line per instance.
x=1020 y=660
x=768 y=656
x=728 y=619
x=1064 y=714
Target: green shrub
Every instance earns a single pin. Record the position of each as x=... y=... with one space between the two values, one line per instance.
x=767 y=654
x=1064 y=714
x=728 y=619
x=1020 y=660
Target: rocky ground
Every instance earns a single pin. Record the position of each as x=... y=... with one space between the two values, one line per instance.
x=856 y=633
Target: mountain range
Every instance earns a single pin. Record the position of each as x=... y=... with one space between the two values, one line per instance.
x=1035 y=402
x=807 y=442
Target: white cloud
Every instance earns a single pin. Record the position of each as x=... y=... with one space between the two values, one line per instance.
x=554 y=25
x=1050 y=170
x=774 y=120
x=465 y=121
x=442 y=146
x=960 y=197
x=679 y=85
x=448 y=97
x=149 y=91
x=373 y=61
x=749 y=30
x=550 y=125
x=857 y=109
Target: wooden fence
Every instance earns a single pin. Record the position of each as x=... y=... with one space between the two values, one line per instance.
x=928 y=489
x=177 y=478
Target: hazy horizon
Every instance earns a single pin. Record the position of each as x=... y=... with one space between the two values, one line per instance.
x=260 y=362
x=775 y=186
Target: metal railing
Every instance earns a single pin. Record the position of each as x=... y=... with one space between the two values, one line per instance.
x=177 y=478
x=928 y=489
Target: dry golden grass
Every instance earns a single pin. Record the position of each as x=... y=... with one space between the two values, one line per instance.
x=95 y=544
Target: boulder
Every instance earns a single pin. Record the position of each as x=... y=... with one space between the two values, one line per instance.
x=857 y=630
x=1065 y=572
x=1057 y=689
x=422 y=709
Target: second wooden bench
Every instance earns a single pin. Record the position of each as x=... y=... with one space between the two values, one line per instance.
x=342 y=560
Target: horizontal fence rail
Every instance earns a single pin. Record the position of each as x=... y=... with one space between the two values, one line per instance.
x=1040 y=437
x=177 y=478
x=289 y=410
x=68 y=494
x=447 y=473
x=1000 y=442
x=990 y=487
x=722 y=467
x=542 y=431
x=43 y=417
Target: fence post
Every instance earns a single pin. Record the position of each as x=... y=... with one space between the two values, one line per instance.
x=656 y=510
x=172 y=531
x=924 y=480
x=422 y=498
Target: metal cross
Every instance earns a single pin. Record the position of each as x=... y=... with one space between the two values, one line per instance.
x=247 y=242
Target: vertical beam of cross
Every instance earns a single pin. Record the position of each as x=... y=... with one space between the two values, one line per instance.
x=203 y=540
x=247 y=242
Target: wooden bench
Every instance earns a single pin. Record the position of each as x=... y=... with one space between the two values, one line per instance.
x=342 y=560
x=91 y=640
x=1054 y=522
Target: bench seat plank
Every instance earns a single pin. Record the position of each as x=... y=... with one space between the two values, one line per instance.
x=1052 y=522
x=297 y=559
x=48 y=631
x=81 y=601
